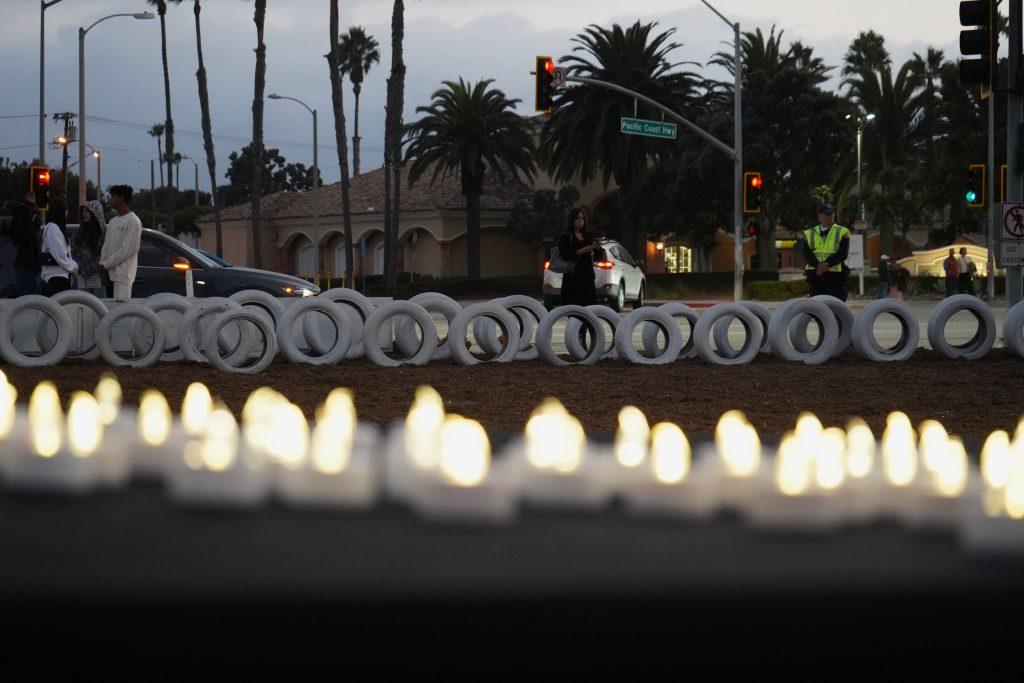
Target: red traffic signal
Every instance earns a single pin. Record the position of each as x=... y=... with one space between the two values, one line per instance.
x=544 y=84
x=753 y=189
x=39 y=183
x=753 y=228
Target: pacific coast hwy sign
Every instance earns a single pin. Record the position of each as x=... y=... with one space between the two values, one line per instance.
x=651 y=129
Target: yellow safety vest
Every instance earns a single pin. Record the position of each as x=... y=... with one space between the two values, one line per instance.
x=823 y=247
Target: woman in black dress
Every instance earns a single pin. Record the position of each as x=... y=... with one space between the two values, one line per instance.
x=577 y=246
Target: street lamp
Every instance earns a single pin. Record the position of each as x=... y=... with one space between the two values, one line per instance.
x=195 y=167
x=99 y=186
x=316 y=165
x=860 y=136
x=81 y=92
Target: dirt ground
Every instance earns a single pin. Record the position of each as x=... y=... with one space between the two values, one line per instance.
x=770 y=391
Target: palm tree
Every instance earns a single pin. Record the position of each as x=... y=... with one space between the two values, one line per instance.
x=156 y=131
x=393 y=145
x=161 y=10
x=471 y=130
x=204 y=106
x=259 y=15
x=334 y=58
x=359 y=52
x=582 y=136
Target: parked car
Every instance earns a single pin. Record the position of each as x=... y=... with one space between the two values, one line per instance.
x=213 y=257
x=618 y=278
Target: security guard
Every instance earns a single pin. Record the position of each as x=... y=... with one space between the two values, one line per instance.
x=826 y=247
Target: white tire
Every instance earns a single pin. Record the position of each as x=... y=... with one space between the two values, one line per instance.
x=779 y=331
x=720 y=332
x=573 y=327
x=844 y=320
x=190 y=334
x=979 y=345
x=260 y=320
x=405 y=329
x=106 y=345
x=46 y=306
x=1013 y=329
x=73 y=296
x=652 y=317
x=729 y=355
x=546 y=329
x=332 y=354
x=676 y=310
x=503 y=319
x=359 y=309
x=164 y=301
x=864 y=341
x=528 y=313
x=264 y=301
x=419 y=315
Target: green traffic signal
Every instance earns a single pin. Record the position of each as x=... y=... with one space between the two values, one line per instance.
x=971 y=197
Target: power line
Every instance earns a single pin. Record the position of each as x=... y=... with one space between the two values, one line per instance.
x=19 y=116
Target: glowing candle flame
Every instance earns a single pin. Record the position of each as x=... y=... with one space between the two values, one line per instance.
x=950 y=478
x=670 y=453
x=423 y=428
x=738 y=444
x=45 y=419
x=995 y=459
x=631 y=438
x=8 y=399
x=154 y=418
x=108 y=395
x=1013 y=496
x=554 y=438
x=257 y=415
x=289 y=436
x=218 y=449
x=331 y=445
x=860 y=449
x=339 y=402
x=933 y=446
x=465 y=451
x=793 y=474
x=830 y=470
x=196 y=409
x=808 y=427
x=85 y=427
x=899 y=452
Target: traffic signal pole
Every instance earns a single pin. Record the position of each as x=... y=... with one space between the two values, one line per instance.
x=1014 y=119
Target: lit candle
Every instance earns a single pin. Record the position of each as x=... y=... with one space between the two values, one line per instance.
x=899 y=466
x=57 y=458
x=159 y=439
x=863 y=489
x=196 y=409
x=667 y=486
x=631 y=439
x=733 y=465
x=413 y=449
x=336 y=468
x=217 y=469
x=466 y=486
x=556 y=467
x=12 y=426
x=993 y=522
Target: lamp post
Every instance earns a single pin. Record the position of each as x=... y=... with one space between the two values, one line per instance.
x=99 y=186
x=43 y=6
x=860 y=137
x=316 y=166
x=81 y=92
x=195 y=168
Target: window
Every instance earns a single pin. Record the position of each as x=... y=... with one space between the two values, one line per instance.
x=678 y=259
x=152 y=254
x=624 y=256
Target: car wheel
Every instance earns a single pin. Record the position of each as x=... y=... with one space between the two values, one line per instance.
x=639 y=299
x=620 y=299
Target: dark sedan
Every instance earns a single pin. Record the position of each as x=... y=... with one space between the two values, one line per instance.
x=164 y=261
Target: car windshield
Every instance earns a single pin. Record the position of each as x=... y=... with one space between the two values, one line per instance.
x=193 y=255
x=216 y=259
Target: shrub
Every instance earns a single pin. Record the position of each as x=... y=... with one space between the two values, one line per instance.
x=779 y=290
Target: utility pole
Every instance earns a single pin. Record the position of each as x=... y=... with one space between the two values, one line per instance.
x=43 y=6
x=992 y=212
x=67 y=118
x=1014 y=120
x=152 y=195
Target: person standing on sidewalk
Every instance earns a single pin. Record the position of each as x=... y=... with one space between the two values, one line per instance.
x=951 y=269
x=24 y=234
x=965 y=269
x=86 y=245
x=826 y=247
x=58 y=268
x=120 y=254
x=577 y=246
x=883 y=277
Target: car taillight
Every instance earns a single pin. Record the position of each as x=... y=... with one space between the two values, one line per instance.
x=547 y=264
x=604 y=265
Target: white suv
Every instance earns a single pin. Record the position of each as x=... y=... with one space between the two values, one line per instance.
x=618 y=279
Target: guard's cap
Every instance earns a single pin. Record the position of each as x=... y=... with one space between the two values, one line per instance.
x=827 y=208
x=885 y=257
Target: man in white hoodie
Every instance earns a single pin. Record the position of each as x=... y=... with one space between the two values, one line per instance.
x=120 y=253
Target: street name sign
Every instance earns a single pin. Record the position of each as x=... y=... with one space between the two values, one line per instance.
x=651 y=129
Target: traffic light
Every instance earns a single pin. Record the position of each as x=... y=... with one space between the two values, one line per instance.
x=975 y=193
x=753 y=228
x=39 y=183
x=544 y=76
x=753 y=190
x=979 y=44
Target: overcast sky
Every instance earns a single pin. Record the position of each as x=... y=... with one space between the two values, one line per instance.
x=445 y=39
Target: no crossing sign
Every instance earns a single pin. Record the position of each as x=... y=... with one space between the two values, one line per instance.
x=1013 y=222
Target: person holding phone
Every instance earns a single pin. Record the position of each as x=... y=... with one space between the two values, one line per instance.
x=577 y=246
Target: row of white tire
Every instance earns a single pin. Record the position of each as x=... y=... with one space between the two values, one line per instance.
x=223 y=331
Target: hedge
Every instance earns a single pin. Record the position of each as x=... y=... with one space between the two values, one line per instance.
x=779 y=290
x=684 y=285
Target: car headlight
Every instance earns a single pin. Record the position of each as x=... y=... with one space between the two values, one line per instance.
x=305 y=291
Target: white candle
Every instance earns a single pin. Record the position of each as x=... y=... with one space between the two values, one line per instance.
x=556 y=467
x=12 y=421
x=56 y=458
x=863 y=491
x=900 y=466
x=631 y=444
x=336 y=469
x=159 y=439
x=993 y=522
x=733 y=465
x=218 y=470
x=195 y=409
x=413 y=449
x=667 y=486
x=465 y=487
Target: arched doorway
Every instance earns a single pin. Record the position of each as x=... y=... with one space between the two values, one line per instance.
x=304 y=259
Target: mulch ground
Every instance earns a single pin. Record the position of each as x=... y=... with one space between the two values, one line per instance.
x=970 y=398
